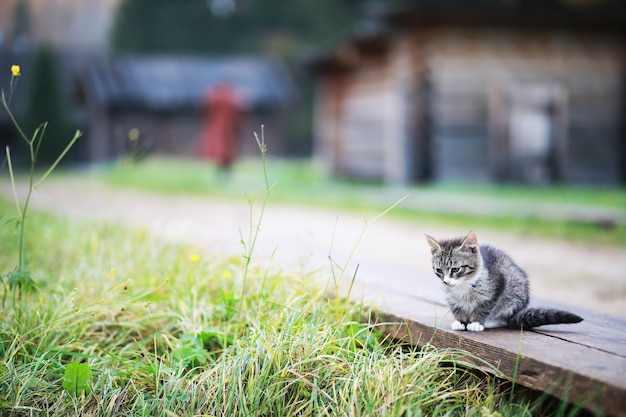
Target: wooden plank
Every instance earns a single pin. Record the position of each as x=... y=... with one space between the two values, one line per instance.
x=596 y=331
x=570 y=362
x=582 y=363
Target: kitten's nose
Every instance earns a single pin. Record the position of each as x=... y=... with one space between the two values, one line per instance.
x=446 y=280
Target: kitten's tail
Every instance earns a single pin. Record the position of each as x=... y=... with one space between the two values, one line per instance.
x=533 y=317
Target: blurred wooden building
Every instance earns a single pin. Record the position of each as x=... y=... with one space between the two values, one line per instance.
x=155 y=103
x=508 y=92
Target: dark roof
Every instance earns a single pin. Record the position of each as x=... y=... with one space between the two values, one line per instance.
x=382 y=21
x=173 y=83
x=598 y=15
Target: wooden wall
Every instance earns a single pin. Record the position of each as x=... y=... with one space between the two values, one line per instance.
x=363 y=124
x=466 y=64
x=424 y=108
x=351 y=120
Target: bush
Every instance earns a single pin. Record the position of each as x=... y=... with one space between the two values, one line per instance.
x=46 y=102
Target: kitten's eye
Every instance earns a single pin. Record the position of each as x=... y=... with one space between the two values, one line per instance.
x=454 y=270
x=438 y=271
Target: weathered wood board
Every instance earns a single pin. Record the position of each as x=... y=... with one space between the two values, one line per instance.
x=584 y=363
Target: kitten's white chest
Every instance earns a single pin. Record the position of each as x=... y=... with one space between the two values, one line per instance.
x=461 y=297
x=465 y=293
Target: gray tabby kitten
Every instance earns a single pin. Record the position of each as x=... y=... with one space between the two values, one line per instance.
x=485 y=288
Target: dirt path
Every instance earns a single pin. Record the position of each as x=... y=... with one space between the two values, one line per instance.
x=395 y=252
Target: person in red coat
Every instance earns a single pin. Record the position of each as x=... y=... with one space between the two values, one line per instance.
x=222 y=109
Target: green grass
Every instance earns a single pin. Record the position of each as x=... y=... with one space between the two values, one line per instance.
x=167 y=331
x=609 y=197
x=298 y=178
x=300 y=182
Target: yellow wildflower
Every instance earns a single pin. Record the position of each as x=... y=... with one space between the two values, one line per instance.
x=15 y=70
x=227 y=274
x=112 y=273
x=195 y=258
x=133 y=134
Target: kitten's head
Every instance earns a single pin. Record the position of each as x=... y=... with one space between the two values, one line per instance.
x=455 y=260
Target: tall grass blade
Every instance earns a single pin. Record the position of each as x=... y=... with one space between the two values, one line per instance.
x=77 y=135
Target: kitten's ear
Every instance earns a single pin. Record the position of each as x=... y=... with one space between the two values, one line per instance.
x=470 y=242
x=434 y=244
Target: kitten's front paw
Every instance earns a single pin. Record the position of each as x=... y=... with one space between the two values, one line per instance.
x=457 y=325
x=475 y=327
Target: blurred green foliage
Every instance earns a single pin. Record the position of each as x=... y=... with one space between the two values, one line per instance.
x=196 y=26
x=46 y=102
